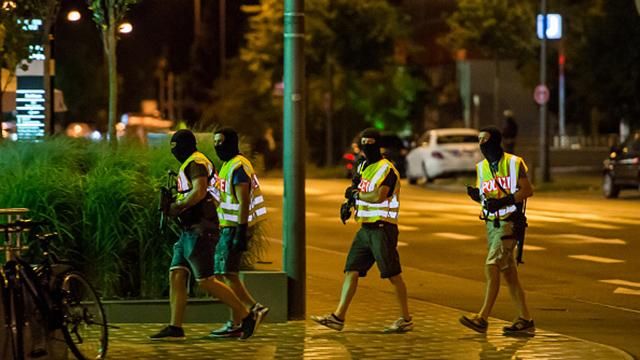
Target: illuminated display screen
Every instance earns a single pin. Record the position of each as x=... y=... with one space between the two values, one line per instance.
x=30 y=94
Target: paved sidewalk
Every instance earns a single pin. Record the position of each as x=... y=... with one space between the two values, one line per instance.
x=437 y=335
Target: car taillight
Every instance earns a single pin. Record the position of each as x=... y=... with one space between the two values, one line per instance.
x=437 y=155
x=349 y=157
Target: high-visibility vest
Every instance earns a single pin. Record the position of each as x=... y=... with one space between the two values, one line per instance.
x=229 y=207
x=507 y=176
x=372 y=177
x=184 y=183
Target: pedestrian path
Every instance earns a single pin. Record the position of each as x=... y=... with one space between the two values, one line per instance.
x=437 y=335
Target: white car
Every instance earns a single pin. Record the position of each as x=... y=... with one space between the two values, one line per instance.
x=443 y=152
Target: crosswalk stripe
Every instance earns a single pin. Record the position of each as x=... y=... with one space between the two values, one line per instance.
x=408 y=228
x=585 y=239
x=455 y=236
x=621 y=282
x=597 y=259
x=626 y=291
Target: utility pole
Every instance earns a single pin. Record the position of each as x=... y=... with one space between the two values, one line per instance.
x=544 y=145
x=293 y=223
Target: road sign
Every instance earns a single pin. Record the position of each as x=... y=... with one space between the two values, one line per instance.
x=541 y=94
x=554 y=26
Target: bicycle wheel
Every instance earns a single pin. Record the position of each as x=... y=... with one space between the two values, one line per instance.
x=84 y=323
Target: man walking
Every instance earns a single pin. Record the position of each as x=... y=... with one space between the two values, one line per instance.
x=502 y=188
x=241 y=208
x=193 y=252
x=376 y=198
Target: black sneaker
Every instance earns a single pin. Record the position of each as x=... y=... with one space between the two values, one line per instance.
x=249 y=325
x=520 y=326
x=226 y=331
x=475 y=323
x=169 y=333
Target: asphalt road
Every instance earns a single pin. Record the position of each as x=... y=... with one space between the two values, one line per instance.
x=582 y=253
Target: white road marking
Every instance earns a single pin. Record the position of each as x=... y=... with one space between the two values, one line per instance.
x=402 y=243
x=621 y=282
x=626 y=291
x=599 y=226
x=597 y=259
x=584 y=239
x=409 y=213
x=534 y=248
x=455 y=236
x=542 y=218
x=408 y=228
x=311 y=214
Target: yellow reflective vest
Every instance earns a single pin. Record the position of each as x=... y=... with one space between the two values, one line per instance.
x=507 y=176
x=229 y=206
x=372 y=177
x=184 y=184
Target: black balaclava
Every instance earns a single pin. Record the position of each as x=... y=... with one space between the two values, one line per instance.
x=229 y=147
x=371 y=151
x=183 y=144
x=492 y=149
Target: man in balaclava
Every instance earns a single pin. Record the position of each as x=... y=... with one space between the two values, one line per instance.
x=502 y=187
x=193 y=253
x=241 y=208
x=376 y=199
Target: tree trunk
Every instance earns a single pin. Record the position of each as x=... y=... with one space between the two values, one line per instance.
x=110 y=42
x=496 y=94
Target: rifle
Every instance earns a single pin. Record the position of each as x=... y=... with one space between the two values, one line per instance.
x=166 y=198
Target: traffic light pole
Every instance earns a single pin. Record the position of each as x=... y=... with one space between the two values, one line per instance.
x=293 y=220
x=544 y=138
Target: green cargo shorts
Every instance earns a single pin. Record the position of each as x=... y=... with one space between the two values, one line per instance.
x=501 y=245
x=375 y=243
x=194 y=252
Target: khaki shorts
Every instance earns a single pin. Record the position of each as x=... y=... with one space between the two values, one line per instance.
x=501 y=245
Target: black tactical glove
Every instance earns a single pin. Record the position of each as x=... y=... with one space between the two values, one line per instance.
x=474 y=193
x=345 y=211
x=351 y=193
x=494 y=205
x=240 y=238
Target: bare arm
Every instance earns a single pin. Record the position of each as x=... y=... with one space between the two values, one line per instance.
x=194 y=196
x=376 y=196
x=525 y=189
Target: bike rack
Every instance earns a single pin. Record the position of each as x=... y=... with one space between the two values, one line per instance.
x=8 y=215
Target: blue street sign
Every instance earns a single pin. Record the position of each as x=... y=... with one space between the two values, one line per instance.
x=554 y=26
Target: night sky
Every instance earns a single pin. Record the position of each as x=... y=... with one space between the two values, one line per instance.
x=161 y=28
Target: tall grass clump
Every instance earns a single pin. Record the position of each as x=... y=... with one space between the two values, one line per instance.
x=103 y=203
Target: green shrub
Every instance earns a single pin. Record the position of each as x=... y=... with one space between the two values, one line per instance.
x=104 y=205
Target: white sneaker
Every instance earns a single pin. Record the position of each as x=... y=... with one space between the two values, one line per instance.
x=330 y=321
x=400 y=326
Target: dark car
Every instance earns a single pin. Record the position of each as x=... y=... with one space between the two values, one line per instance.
x=622 y=168
x=392 y=148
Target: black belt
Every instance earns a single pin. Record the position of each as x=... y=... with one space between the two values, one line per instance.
x=377 y=224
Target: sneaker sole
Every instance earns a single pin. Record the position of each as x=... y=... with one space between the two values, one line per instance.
x=529 y=331
x=319 y=322
x=397 y=331
x=472 y=326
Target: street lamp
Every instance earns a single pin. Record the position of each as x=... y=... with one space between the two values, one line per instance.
x=74 y=15
x=125 y=28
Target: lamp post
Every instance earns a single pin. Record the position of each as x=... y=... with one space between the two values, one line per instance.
x=544 y=145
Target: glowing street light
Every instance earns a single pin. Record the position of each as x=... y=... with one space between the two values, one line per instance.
x=74 y=15
x=8 y=5
x=125 y=28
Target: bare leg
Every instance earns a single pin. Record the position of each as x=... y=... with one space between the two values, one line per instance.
x=492 y=274
x=178 y=295
x=517 y=294
x=234 y=282
x=349 y=287
x=401 y=293
x=226 y=295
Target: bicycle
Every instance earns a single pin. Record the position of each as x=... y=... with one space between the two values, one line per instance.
x=50 y=296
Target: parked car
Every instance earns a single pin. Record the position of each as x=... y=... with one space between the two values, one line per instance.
x=391 y=146
x=622 y=168
x=442 y=153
